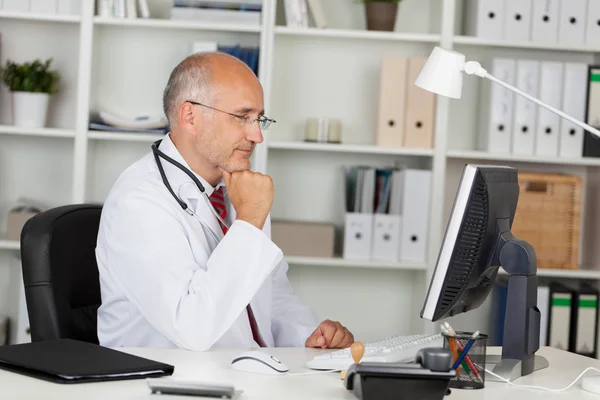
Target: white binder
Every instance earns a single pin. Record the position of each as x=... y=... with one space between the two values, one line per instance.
x=501 y=103
x=574 y=103
x=358 y=227
x=548 y=123
x=571 y=26
x=524 y=125
x=416 y=198
x=484 y=18
x=517 y=20
x=544 y=21
x=387 y=226
x=592 y=34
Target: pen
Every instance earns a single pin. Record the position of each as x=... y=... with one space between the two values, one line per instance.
x=453 y=349
x=466 y=350
x=461 y=348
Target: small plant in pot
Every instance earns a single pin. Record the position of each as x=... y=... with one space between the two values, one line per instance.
x=30 y=84
x=381 y=14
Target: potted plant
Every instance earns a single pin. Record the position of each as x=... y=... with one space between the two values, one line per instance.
x=381 y=14
x=31 y=85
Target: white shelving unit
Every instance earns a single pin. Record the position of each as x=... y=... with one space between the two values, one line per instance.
x=123 y=65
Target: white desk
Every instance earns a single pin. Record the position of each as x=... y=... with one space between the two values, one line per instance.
x=213 y=366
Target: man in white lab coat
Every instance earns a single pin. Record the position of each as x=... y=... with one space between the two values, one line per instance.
x=171 y=277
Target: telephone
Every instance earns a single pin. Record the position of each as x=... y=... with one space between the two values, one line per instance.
x=427 y=378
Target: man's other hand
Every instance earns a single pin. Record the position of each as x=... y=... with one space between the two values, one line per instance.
x=330 y=335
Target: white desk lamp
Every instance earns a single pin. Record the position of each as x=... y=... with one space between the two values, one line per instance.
x=442 y=74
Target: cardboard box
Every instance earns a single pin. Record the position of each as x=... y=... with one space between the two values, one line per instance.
x=306 y=239
x=14 y=225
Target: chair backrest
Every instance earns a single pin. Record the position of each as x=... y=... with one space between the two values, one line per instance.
x=60 y=273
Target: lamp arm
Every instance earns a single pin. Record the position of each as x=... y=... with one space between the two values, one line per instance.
x=541 y=103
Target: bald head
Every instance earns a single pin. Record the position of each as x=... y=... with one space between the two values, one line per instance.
x=198 y=77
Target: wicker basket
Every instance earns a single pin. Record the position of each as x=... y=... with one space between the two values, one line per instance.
x=548 y=217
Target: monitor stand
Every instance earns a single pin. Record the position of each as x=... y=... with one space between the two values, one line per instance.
x=521 y=338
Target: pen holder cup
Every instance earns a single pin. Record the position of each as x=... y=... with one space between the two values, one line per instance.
x=470 y=374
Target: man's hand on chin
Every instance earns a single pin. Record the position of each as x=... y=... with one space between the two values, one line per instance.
x=330 y=335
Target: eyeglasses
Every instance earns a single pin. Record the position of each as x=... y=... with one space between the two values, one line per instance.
x=242 y=119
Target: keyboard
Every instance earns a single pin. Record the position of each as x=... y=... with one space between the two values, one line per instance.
x=399 y=349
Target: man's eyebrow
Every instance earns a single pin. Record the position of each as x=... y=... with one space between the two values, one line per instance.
x=248 y=110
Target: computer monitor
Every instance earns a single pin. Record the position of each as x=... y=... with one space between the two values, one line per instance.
x=476 y=243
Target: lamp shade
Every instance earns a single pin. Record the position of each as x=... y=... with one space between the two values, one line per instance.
x=442 y=73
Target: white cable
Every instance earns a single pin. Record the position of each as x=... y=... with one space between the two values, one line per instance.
x=539 y=387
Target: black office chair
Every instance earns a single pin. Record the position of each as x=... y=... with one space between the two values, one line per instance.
x=60 y=274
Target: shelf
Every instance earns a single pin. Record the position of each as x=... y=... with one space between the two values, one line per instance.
x=9 y=244
x=482 y=155
x=51 y=132
x=176 y=24
x=349 y=148
x=125 y=137
x=40 y=17
x=358 y=34
x=475 y=41
x=563 y=273
x=340 y=262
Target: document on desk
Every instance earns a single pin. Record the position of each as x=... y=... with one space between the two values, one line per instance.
x=72 y=361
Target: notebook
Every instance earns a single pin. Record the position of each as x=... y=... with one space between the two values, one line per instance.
x=72 y=361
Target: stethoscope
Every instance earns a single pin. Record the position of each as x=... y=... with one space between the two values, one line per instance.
x=183 y=204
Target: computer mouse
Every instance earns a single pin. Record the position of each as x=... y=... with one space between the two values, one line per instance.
x=258 y=362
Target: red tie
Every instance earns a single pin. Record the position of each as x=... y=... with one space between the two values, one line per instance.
x=218 y=201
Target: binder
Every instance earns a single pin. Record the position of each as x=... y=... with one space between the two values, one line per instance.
x=559 y=321
x=485 y=18
x=548 y=123
x=392 y=98
x=544 y=21
x=571 y=26
x=420 y=110
x=585 y=320
x=387 y=222
x=70 y=361
x=574 y=100
x=543 y=304
x=498 y=138
x=525 y=111
x=517 y=20
x=416 y=197
x=592 y=34
x=591 y=143
x=358 y=220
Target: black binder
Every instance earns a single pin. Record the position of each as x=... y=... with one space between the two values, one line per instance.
x=72 y=361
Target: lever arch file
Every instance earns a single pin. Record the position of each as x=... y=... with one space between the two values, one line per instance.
x=72 y=361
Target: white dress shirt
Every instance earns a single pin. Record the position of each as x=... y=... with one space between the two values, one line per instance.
x=166 y=282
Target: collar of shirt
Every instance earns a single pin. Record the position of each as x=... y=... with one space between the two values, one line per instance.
x=181 y=182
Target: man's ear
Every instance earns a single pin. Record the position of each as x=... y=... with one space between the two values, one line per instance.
x=187 y=115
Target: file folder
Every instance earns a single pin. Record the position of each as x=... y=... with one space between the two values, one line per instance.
x=543 y=304
x=386 y=224
x=592 y=35
x=498 y=136
x=544 y=21
x=548 y=123
x=591 y=143
x=485 y=18
x=559 y=321
x=416 y=197
x=574 y=99
x=517 y=20
x=420 y=110
x=392 y=98
x=526 y=110
x=571 y=26
x=585 y=315
x=358 y=224
x=71 y=361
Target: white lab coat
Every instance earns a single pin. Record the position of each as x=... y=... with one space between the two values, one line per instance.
x=165 y=281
